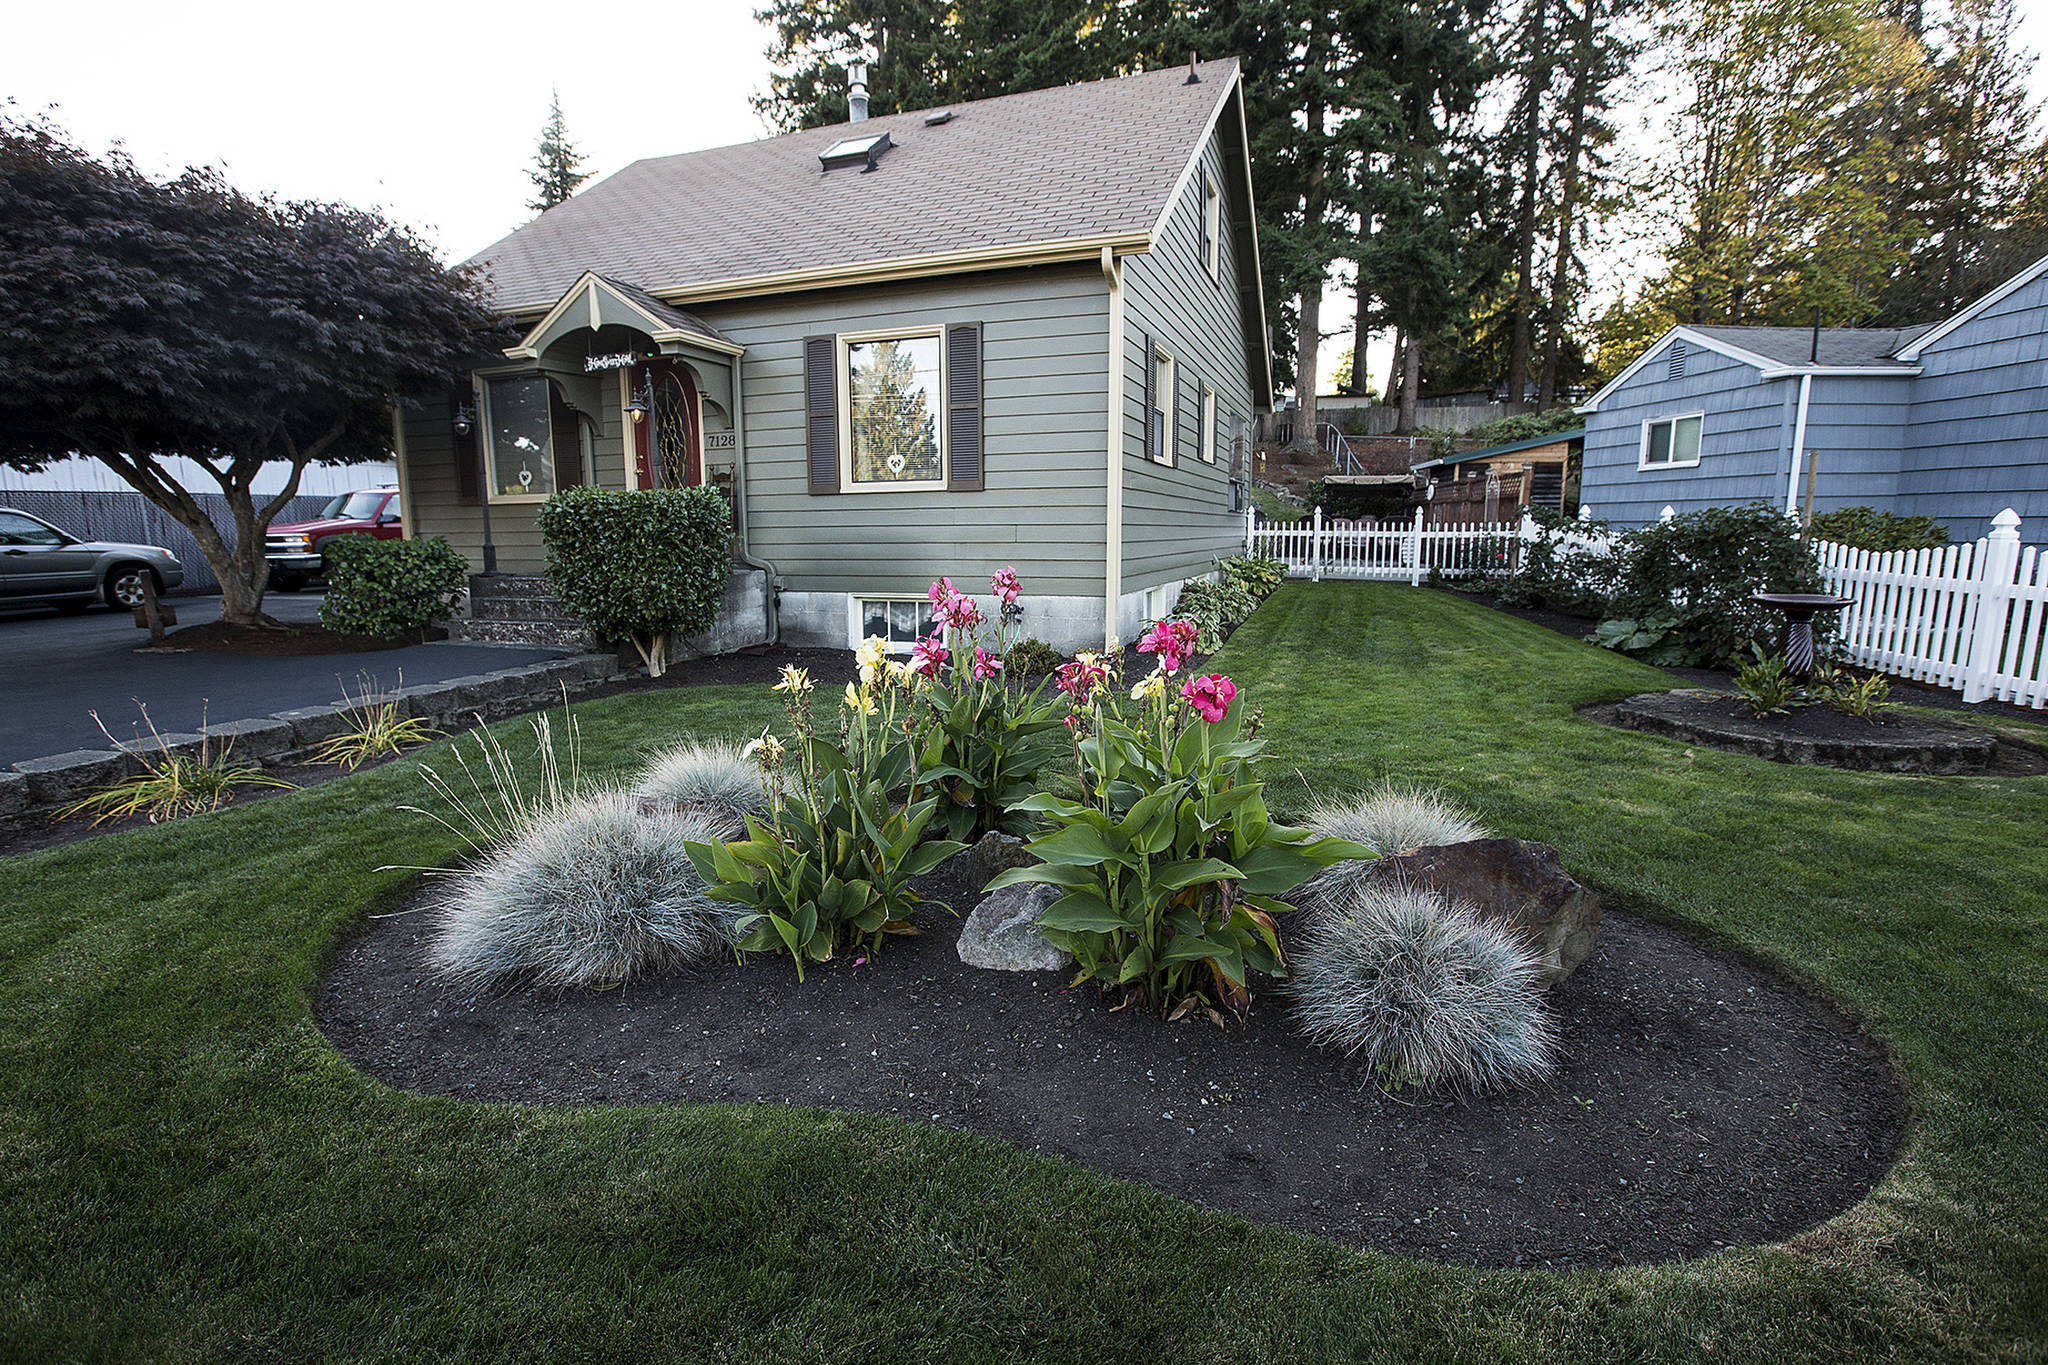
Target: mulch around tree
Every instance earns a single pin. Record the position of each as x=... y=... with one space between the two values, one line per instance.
x=1703 y=1102
x=298 y=640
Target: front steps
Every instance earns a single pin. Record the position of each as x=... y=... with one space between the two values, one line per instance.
x=519 y=609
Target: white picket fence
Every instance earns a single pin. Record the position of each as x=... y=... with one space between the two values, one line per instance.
x=1971 y=617
x=1388 y=553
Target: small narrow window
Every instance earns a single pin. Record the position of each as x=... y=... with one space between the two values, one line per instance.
x=1671 y=441
x=1212 y=226
x=1163 y=419
x=1206 y=438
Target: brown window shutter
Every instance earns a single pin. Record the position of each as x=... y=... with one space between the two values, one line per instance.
x=821 y=412
x=963 y=408
x=468 y=448
x=1151 y=396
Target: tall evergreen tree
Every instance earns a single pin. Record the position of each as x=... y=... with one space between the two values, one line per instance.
x=557 y=165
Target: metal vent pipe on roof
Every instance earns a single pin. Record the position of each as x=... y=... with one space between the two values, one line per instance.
x=857 y=92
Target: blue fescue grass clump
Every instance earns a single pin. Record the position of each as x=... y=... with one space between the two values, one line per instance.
x=712 y=777
x=1423 y=991
x=1387 y=820
x=598 y=892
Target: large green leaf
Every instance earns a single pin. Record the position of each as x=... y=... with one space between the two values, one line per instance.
x=1172 y=876
x=1272 y=868
x=1081 y=910
x=1082 y=843
x=1050 y=874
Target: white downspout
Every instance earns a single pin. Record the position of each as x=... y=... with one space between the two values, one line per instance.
x=1113 y=497
x=1798 y=446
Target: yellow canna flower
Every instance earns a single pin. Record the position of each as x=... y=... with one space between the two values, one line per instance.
x=859 y=702
x=794 y=680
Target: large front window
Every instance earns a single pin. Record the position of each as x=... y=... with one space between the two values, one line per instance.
x=892 y=404
x=522 y=438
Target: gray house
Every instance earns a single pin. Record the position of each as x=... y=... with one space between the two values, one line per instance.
x=1024 y=330
x=1948 y=420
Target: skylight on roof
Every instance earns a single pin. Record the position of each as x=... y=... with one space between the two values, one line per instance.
x=849 y=151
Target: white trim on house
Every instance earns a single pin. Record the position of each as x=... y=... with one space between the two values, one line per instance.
x=847 y=483
x=2006 y=290
x=1798 y=445
x=585 y=291
x=1166 y=405
x=1765 y=367
x=1118 y=383
x=1643 y=462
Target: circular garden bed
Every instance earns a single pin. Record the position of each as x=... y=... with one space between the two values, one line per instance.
x=1701 y=1102
x=1820 y=736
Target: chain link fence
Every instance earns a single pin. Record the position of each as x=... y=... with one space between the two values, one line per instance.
x=132 y=518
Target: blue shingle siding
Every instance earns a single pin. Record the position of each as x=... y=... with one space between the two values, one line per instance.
x=1977 y=437
x=1965 y=438
x=1742 y=440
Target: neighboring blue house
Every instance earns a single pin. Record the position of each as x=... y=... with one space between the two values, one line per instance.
x=1948 y=420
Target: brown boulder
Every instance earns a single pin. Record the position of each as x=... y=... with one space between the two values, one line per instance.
x=1511 y=882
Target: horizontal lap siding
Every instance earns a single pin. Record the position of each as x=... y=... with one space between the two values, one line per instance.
x=1977 y=438
x=1743 y=445
x=1854 y=424
x=1044 y=339
x=1177 y=521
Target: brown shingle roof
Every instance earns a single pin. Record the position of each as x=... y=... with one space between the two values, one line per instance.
x=1078 y=161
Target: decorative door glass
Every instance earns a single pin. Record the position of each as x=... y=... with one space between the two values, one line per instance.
x=672 y=421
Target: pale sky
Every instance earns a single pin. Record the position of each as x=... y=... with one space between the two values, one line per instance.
x=429 y=111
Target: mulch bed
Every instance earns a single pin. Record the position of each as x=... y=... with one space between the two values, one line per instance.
x=1704 y=1102
x=288 y=641
x=1822 y=736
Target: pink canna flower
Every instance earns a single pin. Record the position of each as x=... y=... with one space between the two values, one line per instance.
x=986 y=665
x=940 y=591
x=928 y=655
x=1210 y=696
x=1005 y=584
x=1172 y=641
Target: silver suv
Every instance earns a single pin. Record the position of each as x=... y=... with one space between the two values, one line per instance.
x=38 y=562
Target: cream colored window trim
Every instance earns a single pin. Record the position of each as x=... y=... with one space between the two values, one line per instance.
x=1166 y=404
x=847 y=340
x=1208 y=424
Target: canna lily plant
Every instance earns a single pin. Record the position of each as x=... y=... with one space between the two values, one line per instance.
x=828 y=868
x=984 y=742
x=1171 y=867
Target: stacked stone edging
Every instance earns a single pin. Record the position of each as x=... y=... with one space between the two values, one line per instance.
x=285 y=736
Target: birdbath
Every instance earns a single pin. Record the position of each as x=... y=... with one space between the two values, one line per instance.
x=1799 y=608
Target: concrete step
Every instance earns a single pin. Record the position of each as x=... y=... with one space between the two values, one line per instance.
x=552 y=634
x=519 y=609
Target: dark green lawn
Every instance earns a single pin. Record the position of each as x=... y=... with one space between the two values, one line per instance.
x=191 y=1173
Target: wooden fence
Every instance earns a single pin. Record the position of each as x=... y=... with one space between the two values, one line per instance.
x=1389 y=552
x=1972 y=617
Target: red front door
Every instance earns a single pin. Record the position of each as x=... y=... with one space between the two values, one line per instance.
x=668 y=448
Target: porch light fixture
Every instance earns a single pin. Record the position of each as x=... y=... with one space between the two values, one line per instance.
x=642 y=402
x=465 y=419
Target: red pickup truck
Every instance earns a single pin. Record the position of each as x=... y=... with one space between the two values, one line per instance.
x=293 y=548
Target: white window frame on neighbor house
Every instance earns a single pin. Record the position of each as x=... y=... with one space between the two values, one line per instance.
x=1212 y=223
x=847 y=483
x=1165 y=412
x=857 y=626
x=1643 y=460
x=1207 y=441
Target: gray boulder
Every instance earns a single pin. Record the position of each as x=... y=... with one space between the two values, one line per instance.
x=1513 y=883
x=1002 y=933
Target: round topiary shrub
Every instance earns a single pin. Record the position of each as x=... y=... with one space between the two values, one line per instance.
x=714 y=778
x=382 y=587
x=1424 y=992
x=1387 y=820
x=597 y=893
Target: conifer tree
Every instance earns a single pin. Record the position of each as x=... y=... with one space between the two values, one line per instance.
x=557 y=165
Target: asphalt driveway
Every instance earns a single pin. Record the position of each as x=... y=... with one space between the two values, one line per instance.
x=55 y=671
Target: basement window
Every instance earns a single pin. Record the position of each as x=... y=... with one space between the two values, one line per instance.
x=902 y=621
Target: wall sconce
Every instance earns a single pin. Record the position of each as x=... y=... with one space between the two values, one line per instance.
x=642 y=404
x=465 y=420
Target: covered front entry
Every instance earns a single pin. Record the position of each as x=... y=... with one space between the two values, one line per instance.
x=668 y=432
